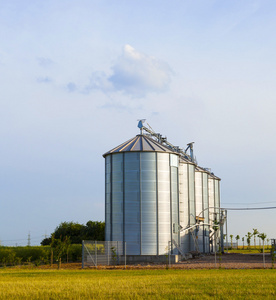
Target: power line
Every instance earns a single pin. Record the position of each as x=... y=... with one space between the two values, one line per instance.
x=250 y=208
x=252 y=203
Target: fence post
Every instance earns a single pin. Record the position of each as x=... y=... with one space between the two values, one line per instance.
x=117 y=253
x=169 y=252
x=96 y=254
x=125 y=255
x=108 y=245
x=82 y=260
x=226 y=231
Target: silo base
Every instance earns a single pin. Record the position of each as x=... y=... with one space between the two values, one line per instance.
x=132 y=259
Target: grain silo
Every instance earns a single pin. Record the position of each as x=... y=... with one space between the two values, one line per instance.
x=152 y=190
x=142 y=195
x=186 y=202
x=214 y=208
x=202 y=207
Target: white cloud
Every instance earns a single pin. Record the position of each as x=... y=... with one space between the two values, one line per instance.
x=134 y=73
x=99 y=80
x=137 y=74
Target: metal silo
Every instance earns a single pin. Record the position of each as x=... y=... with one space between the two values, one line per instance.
x=202 y=208
x=214 y=204
x=187 y=202
x=142 y=196
x=157 y=198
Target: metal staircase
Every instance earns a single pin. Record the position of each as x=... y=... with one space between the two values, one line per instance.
x=195 y=240
x=178 y=248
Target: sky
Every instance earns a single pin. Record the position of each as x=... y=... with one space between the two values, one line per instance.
x=77 y=75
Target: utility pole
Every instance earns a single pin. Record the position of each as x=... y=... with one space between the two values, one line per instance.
x=29 y=239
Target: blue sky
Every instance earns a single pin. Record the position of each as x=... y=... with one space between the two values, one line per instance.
x=76 y=75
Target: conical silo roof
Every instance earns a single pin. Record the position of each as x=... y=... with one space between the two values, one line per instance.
x=206 y=170
x=140 y=143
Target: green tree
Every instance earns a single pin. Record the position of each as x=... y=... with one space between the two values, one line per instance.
x=248 y=238
x=58 y=248
x=52 y=243
x=267 y=240
x=67 y=244
x=77 y=232
x=262 y=236
x=231 y=237
x=243 y=242
x=237 y=239
x=71 y=230
x=94 y=231
x=255 y=232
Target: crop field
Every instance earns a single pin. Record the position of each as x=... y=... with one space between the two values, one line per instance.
x=137 y=284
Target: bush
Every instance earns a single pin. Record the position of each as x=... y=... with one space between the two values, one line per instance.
x=7 y=256
x=75 y=253
x=36 y=254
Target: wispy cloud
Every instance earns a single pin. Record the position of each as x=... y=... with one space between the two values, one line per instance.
x=44 y=61
x=133 y=73
x=44 y=79
x=71 y=87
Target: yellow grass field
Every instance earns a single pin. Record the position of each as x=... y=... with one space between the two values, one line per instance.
x=137 y=284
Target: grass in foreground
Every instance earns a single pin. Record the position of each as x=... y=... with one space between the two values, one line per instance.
x=137 y=284
x=247 y=250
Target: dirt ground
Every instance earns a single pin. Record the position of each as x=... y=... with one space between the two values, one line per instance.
x=225 y=261
x=228 y=261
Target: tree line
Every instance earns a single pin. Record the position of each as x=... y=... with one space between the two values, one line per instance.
x=255 y=233
x=75 y=233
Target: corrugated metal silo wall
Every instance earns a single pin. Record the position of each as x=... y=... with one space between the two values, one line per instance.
x=132 y=204
x=206 y=211
x=199 y=208
x=108 y=198
x=202 y=205
x=217 y=207
x=142 y=201
x=214 y=204
x=187 y=202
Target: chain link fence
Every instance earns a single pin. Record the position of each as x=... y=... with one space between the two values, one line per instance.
x=109 y=253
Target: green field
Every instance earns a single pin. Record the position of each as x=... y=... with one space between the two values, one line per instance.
x=247 y=250
x=137 y=284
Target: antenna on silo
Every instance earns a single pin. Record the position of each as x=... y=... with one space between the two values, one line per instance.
x=191 y=147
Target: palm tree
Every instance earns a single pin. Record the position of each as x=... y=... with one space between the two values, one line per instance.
x=231 y=237
x=255 y=232
x=237 y=239
x=243 y=242
x=267 y=241
x=262 y=236
x=248 y=238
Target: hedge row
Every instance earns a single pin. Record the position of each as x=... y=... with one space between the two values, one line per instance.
x=10 y=256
